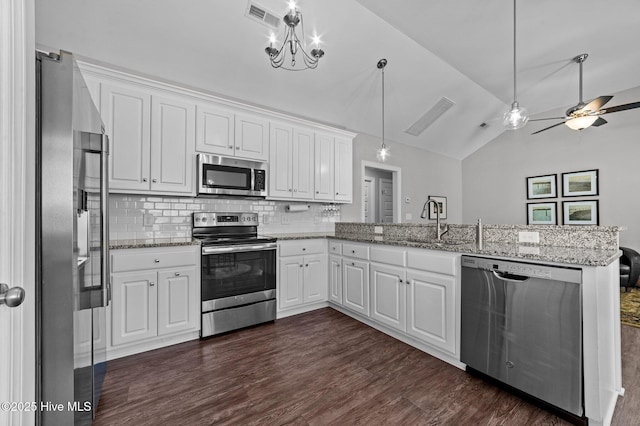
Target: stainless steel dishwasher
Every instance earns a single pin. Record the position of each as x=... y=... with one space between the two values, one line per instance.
x=521 y=324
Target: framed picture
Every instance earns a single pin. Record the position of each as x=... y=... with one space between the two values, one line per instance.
x=442 y=206
x=578 y=184
x=542 y=213
x=541 y=187
x=580 y=212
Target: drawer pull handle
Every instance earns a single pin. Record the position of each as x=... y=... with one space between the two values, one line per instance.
x=151 y=283
x=231 y=146
x=401 y=281
x=178 y=274
x=307 y=265
x=353 y=251
x=353 y=264
x=156 y=260
x=303 y=248
x=301 y=265
x=154 y=180
x=144 y=179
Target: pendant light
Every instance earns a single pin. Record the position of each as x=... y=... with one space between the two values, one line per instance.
x=383 y=152
x=517 y=116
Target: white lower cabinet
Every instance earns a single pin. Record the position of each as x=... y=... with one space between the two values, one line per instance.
x=431 y=313
x=335 y=279
x=388 y=295
x=355 y=284
x=151 y=302
x=407 y=290
x=302 y=273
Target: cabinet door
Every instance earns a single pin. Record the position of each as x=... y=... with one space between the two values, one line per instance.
x=335 y=279
x=388 y=295
x=252 y=137
x=315 y=278
x=290 y=282
x=134 y=314
x=178 y=307
x=280 y=156
x=215 y=130
x=126 y=112
x=303 y=164
x=323 y=167
x=173 y=143
x=431 y=309
x=355 y=281
x=343 y=170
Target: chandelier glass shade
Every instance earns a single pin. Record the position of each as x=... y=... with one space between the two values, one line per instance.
x=292 y=54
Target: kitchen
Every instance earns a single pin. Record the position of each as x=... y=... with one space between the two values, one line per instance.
x=476 y=177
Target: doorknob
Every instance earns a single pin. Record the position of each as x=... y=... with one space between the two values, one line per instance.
x=11 y=297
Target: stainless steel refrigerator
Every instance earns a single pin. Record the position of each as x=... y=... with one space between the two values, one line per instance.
x=72 y=244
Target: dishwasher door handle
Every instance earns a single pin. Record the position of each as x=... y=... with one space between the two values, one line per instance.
x=510 y=277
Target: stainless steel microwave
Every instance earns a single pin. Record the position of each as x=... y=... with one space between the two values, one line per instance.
x=219 y=175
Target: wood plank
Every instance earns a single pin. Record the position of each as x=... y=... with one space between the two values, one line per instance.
x=316 y=368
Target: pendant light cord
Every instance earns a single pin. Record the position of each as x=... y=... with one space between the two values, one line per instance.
x=383 y=146
x=514 y=53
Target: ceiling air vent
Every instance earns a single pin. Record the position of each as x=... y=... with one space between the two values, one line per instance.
x=261 y=14
x=442 y=106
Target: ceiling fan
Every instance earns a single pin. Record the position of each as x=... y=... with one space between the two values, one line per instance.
x=588 y=114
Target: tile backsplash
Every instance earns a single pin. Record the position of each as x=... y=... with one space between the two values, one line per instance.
x=141 y=216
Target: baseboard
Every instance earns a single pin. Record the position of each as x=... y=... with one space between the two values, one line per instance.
x=115 y=352
x=300 y=309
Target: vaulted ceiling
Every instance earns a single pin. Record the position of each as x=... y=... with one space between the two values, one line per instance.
x=461 y=50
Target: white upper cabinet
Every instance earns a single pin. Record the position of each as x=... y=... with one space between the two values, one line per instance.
x=172 y=144
x=343 y=170
x=126 y=112
x=251 y=137
x=215 y=131
x=291 y=162
x=324 y=166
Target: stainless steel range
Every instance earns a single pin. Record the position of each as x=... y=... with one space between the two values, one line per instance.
x=238 y=272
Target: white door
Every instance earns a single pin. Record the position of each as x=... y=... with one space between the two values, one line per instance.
x=134 y=312
x=324 y=159
x=178 y=307
x=315 y=278
x=215 y=130
x=290 y=281
x=17 y=211
x=369 y=200
x=385 y=201
x=343 y=170
x=281 y=157
x=355 y=282
x=173 y=142
x=388 y=295
x=252 y=137
x=335 y=279
x=303 y=164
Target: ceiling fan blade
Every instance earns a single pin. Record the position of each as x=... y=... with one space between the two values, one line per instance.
x=548 y=118
x=547 y=128
x=596 y=104
x=622 y=107
x=599 y=122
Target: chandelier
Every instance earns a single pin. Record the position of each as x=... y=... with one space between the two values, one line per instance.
x=293 y=45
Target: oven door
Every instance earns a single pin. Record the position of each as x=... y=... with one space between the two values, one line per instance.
x=237 y=275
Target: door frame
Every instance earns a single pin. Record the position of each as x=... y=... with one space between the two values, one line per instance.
x=373 y=200
x=396 y=175
x=17 y=206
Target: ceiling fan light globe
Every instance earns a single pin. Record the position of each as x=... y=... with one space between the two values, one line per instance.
x=580 y=123
x=516 y=117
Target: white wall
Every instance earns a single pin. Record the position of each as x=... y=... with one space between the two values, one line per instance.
x=493 y=178
x=423 y=174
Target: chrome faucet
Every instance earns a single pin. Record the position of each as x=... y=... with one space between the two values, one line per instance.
x=424 y=215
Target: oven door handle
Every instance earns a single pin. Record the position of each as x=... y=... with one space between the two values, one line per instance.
x=239 y=248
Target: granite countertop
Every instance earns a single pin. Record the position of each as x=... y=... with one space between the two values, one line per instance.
x=152 y=242
x=301 y=235
x=567 y=255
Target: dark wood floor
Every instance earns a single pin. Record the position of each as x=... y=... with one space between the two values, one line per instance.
x=319 y=368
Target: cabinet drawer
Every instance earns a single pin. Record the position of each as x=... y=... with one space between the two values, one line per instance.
x=427 y=260
x=296 y=248
x=335 y=247
x=355 y=250
x=141 y=259
x=388 y=255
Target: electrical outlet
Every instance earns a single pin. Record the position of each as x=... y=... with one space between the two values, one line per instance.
x=378 y=229
x=529 y=237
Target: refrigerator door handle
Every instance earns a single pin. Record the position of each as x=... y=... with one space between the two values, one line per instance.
x=104 y=213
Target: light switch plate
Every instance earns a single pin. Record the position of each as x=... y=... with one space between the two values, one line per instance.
x=378 y=229
x=529 y=237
